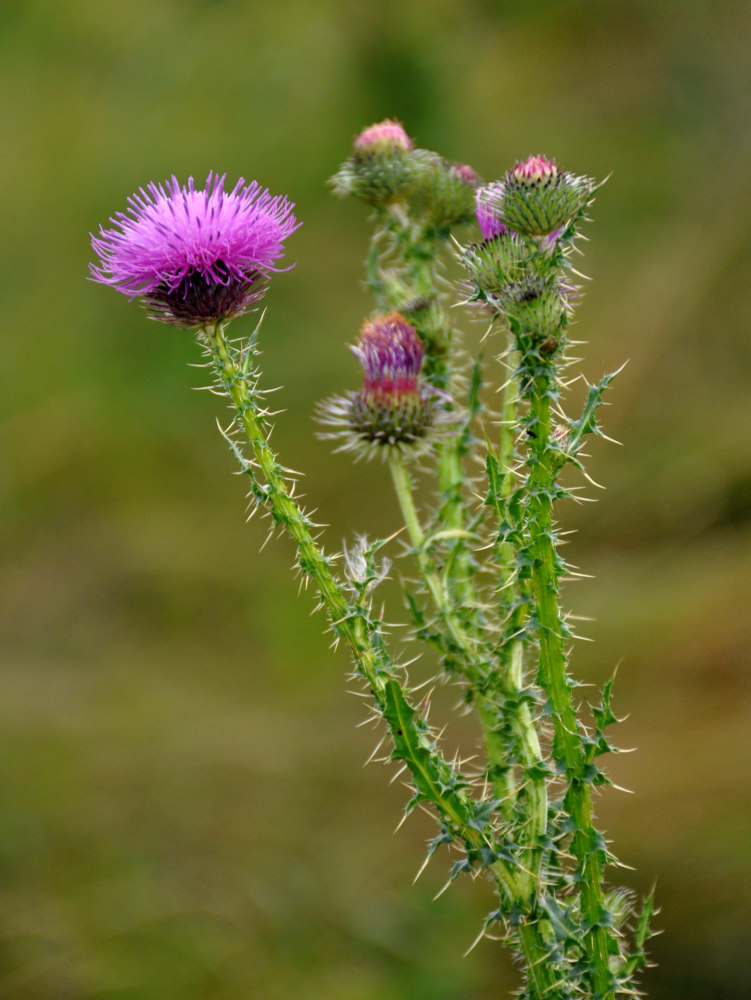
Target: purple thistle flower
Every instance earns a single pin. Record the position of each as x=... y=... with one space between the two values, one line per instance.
x=391 y=355
x=194 y=257
x=395 y=408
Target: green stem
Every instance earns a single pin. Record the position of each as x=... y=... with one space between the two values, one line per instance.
x=509 y=413
x=529 y=753
x=567 y=744
x=420 y=254
x=540 y=975
x=464 y=646
x=277 y=494
x=434 y=778
x=437 y=588
x=476 y=670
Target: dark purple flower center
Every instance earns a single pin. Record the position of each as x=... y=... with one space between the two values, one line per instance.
x=199 y=298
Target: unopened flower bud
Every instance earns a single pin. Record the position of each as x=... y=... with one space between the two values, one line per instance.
x=443 y=193
x=494 y=263
x=380 y=169
x=560 y=437
x=466 y=173
x=385 y=137
x=534 y=306
x=536 y=198
x=395 y=407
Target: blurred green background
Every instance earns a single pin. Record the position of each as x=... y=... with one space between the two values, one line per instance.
x=183 y=808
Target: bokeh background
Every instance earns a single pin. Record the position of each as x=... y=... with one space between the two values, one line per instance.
x=183 y=807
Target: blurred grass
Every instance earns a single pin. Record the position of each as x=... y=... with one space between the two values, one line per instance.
x=182 y=808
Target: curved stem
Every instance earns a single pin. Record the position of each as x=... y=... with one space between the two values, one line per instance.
x=437 y=588
x=420 y=252
x=435 y=779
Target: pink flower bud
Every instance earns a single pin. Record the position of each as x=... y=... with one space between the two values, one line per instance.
x=384 y=137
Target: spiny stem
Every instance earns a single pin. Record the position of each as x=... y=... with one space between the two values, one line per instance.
x=509 y=415
x=511 y=652
x=478 y=674
x=464 y=644
x=567 y=743
x=418 y=249
x=434 y=779
x=284 y=508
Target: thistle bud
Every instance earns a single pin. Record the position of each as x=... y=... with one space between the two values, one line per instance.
x=491 y=265
x=535 y=306
x=536 y=198
x=560 y=438
x=380 y=169
x=395 y=407
x=384 y=137
x=443 y=193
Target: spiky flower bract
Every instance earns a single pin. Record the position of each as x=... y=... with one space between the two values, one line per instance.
x=534 y=307
x=395 y=409
x=443 y=193
x=194 y=256
x=495 y=262
x=536 y=198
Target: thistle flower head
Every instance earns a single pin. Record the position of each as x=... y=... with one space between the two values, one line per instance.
x=395 y=409
x=194 y=256
x=535 y=198
x=380 y=169
x=391 y=354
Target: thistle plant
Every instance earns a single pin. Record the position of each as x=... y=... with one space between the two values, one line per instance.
x=484 y=588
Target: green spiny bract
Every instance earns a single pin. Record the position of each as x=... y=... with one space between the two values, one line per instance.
x=443 y=193
x=533 y=306
x=494 y=263
x=536 y=198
